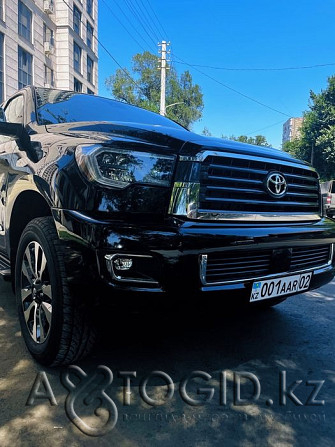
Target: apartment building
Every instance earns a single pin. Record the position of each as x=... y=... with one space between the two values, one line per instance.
x=291 y=129
x=49 y=43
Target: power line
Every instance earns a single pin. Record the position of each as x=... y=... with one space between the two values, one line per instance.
x=266 y=127
x=144 y=12
x=124 y=27
x=165 y=34
x=108 y=52
x=234 y=90
x=153 y=22
x=258 y=69
x=135 y=14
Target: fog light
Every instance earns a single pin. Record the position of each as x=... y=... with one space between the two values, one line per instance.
x=133 y=268
x=123 y=263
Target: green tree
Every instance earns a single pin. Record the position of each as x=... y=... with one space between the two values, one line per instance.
x=206 y=132
x=145 y=91
x=317 y=141
x=258 y=140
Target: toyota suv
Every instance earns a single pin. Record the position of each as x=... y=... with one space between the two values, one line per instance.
x=100 y=200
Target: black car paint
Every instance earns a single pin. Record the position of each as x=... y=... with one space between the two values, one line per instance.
x=94 y=220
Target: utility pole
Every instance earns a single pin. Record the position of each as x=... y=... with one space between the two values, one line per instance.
x=163 y=67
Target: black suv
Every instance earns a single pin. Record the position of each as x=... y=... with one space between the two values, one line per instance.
x=100 y=199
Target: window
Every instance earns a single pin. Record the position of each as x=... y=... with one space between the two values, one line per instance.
x=76 y=20
x=25 y=68
x=90 y=65
x=25 y=21
x=89 y=35
x=14 y=110
x=1 y=68
x=76 y=57
x=89 y=7
x=48 y=76
x=90 y=92
x=77 y=85
x=48 y=35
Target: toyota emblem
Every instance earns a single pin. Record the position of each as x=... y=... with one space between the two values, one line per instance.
x=276 y=184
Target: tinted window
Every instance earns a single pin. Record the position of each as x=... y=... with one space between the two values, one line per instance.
x=333 y=187
x=25 y=68
x=56 y=106
x=90 y=7
x=89 y=35
x=76 y=20
x=24 y=21
x=77 y=85
x=76 y=57
x=90 y=65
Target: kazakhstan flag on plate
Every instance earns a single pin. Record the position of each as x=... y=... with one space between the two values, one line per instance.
x=256 y=285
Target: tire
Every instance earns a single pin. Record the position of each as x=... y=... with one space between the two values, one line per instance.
x=54 y=324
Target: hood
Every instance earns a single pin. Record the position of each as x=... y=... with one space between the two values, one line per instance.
x=171 y=139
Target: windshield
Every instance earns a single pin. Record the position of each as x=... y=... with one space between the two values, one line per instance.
x=57 y=106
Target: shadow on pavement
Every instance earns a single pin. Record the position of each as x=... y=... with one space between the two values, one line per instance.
x=213 y=339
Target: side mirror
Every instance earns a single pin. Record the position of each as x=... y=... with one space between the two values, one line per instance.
x=15 y=130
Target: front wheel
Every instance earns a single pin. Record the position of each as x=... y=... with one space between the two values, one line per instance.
x=54 y=324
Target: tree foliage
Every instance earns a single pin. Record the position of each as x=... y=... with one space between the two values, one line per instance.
x=145 y=91
x=258 y=140
x=317 y=141
x=206 y=132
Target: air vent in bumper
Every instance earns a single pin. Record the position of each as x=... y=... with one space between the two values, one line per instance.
x=233 y=266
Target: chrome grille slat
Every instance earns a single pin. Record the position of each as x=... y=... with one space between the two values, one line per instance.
x=237 y=263
x=230 y=179
x=235 y=269
x=260 y=202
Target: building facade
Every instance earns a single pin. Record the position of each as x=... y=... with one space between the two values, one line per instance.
x=291 y=129
x=51 y=43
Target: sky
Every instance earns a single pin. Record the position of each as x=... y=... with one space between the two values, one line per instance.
x=239 y=36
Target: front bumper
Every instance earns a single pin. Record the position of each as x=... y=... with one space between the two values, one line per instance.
x=175 y=249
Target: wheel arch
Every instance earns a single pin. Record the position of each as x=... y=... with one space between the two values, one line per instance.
x=28 y=206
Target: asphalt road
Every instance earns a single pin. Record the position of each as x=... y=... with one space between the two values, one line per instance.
x=295 y=340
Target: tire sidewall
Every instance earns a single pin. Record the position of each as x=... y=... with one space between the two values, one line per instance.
x=43 y=352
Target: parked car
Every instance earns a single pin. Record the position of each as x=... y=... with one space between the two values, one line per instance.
x=328 y=196
x=100 y=200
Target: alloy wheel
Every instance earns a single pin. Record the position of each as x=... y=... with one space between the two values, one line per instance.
x=36 y=292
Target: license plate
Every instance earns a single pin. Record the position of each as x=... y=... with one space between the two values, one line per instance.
x=271 y=288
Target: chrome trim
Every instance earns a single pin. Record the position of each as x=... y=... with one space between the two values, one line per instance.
x=331 y=257
x=201 y=156
x=203 y=268
x=185 y=196
x=185 y=202
x=109 y=261
x=264 y=217
x=203 y=272
x=185 y=199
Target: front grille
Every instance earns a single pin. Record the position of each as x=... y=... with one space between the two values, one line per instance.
x=243 y=264
x=303 y=258
x=236 y=184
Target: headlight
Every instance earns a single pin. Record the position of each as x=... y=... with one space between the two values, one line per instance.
x=121 y=167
